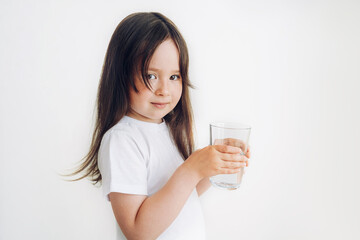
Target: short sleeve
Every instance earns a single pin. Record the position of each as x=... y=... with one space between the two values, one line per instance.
x=122 y=164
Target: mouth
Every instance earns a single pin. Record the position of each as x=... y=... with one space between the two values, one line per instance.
x=159 y=105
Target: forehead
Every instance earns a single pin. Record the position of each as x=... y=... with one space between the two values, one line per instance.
x=166 y=56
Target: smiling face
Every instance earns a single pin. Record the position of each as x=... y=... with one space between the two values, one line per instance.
x=151 y=105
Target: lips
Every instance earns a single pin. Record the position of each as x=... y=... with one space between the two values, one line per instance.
x=159 y=105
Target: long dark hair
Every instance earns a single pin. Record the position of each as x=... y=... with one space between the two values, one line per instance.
x=130 y=50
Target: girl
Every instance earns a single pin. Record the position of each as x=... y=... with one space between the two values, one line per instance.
x=143 y=134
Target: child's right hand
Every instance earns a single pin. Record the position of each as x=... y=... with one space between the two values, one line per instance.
x=216 y=159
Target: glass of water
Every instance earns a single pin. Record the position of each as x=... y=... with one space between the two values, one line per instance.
x=232 y=134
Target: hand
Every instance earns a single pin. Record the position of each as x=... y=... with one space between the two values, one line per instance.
x=236 y=143
x=216 y=159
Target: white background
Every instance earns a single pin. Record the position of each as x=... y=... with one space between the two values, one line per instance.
x=290 y=69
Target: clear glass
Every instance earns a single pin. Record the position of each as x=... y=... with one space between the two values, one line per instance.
x=233 y=134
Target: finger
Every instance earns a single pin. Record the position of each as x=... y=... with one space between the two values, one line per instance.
x=234 y=165
x=248 y=154
x=232 y=142
x=229 y=170
x=233 y=157
x=219 y=142
x=229 y=141
x=227 y=149
x=235 y=142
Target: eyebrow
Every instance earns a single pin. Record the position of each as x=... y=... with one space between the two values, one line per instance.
x=159 y=70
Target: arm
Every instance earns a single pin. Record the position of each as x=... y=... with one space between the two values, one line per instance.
x=137 y=215
x=141 y=217
x=203 y=186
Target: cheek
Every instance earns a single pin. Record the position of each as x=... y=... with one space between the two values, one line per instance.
x=137 y=99
x=134 y=97
x=142 y=89
x=178 y=92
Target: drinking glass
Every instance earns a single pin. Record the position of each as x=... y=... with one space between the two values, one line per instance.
x=232 y=134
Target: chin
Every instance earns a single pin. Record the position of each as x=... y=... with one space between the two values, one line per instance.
x=154 y=118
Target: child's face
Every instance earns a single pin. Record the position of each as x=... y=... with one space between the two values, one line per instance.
x=166 y=83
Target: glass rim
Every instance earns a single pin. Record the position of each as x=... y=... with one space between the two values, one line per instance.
x=231 y=125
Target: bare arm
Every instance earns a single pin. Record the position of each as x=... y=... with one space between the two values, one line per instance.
x=137 y=214
x=203 y=186
x=141 y=217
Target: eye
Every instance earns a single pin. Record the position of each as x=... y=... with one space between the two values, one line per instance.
x=151 y=76
x=175 y=77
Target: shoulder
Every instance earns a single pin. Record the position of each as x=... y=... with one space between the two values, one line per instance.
x=122 y=141
x=122 y=133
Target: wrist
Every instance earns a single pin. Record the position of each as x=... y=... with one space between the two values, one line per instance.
x=191 y=172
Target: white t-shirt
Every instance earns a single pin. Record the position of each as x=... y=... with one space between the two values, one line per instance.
x=137 y=157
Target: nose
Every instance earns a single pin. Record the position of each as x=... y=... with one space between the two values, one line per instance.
x=162 y=88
